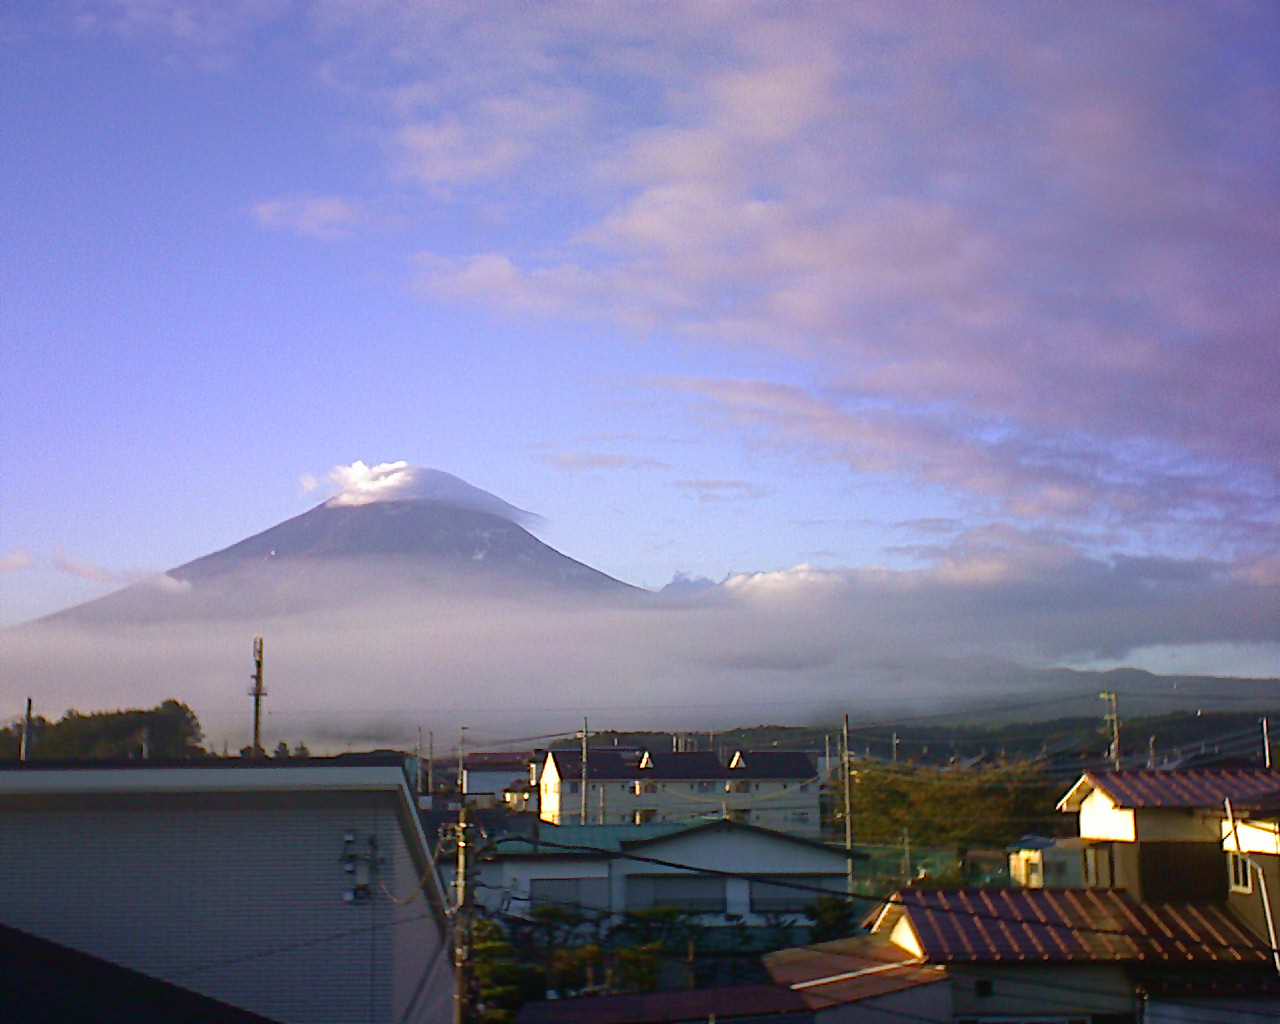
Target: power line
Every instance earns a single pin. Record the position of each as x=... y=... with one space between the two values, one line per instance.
x=882 y=901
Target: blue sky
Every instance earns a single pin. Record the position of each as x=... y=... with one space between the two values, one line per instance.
x=976 y=291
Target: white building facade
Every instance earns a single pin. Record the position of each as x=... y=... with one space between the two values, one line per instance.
x=304 y=892
x=778 y=790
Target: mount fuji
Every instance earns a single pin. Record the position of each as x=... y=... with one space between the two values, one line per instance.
x=397 y=533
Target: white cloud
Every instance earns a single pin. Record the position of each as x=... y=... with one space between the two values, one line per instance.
x=361 y=484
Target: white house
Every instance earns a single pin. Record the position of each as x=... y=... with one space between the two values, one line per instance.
x=303 y=891
x=726 y=871
x=770 y=789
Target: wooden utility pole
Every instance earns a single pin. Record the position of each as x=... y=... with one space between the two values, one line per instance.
x=431 y=763
x=1113 y=719
x=462 y=922
x=582 y=815
x=24 y=745
x=257 y=693
x=1266 y=742
x=847 y=789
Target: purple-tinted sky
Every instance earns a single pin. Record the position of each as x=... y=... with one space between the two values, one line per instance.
x=973 y=291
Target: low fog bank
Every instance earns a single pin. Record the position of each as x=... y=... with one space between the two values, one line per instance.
x=366 y=663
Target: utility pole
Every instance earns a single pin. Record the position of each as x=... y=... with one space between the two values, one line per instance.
x=431 y=763
x=895 y=747
x=1113 y=719
x=1266 y=742
x=582 y=815
x=1151 y=753
x=257 y=693
x=418 y=754
x=462 y=770
x=847 y=787
x=24 y=746
x=462 y=922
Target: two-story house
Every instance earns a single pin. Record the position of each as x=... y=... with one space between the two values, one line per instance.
x=1158 y=835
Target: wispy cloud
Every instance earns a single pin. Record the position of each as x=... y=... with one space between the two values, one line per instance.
x=1016 y=259
x=722 y=490
x=580 y=462
x=322 y=217
x=16 y=560
x=90 y=571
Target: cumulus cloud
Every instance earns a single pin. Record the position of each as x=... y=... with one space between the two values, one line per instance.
x=16 y=560
x=322 y=217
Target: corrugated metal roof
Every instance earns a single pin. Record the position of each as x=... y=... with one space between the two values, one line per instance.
x=1073 y=926
x=849 y=970
x=741 y=1002
x=1204 y=788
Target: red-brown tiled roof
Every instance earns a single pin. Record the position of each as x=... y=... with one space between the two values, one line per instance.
x=1073 y=926
x=1204 y=788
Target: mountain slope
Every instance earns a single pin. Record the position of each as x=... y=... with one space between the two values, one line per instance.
x=341 y=555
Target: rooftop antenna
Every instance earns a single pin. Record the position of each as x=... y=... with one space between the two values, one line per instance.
x=257 y=693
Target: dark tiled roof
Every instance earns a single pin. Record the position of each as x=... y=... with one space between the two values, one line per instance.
x=1204 y=788
x=482 y=760
x=774 y=764
x=691 y=764
x=601 y=764
x=742 y=1002
x=47 y=982
x=1073 y=926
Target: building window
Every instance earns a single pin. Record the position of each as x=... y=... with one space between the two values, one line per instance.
x=1241 y=879
x=695 y=893
x=573 y=787
x=570 y=893
x=795 y=893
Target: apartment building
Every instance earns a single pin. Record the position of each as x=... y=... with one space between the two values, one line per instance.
x=770 y=789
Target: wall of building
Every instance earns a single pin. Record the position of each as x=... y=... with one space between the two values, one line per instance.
x=923 y=1003
x=237 y=896
x=1258 y=1010
x=1100 y=818
x=783 y=805
x=1050 y=991
x=738 y=851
